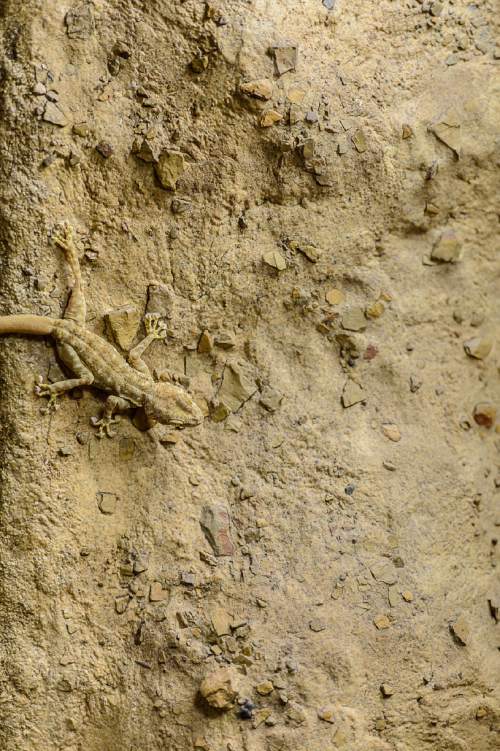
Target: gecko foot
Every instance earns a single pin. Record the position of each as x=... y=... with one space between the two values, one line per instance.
x=64 y=236
x=155 y=326
x=46 y=389
x=104 y=425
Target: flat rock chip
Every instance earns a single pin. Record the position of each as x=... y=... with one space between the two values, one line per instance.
x=285 y=58
x=354 y=320
x=54 y=115
x=384 y=571
x=352 y=394
x=448 y=248
x=169 y=168
x=221 y=622
x=236 y=387
x=215 y=522
x=461 y=631
x=157 y=593
x=270 y=117
x=205 y=343
x=124 y=324
x=107 y=503
x=218 y=688
x=161 y=299
x=79 y=21
x=145 y=151
x=275 y=260
x=478 y=347
x=261 y=88
x=270 y=399
x=448 y=131
x=327 y=713
x=359 y=141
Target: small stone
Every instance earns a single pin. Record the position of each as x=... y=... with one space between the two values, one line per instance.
x=461 y=631
x=157 y=593
x=327 y=713
x=448 y=248
x=295 y=96
x=447 y=130
x=436 y=8
x=311 y=117
x=285 y=58
x=485 y=414
x=79 y=21
x=478 y=347
x=216 y=524
x=354 y=320
x=265 y=688
x=261 y=88
x=169 y=168
x=54 y=115
x=161 y=300
x=124 y=324
x=334 y=296
x=407 y=595
x=380 y=724
x=81 y=129
x=359 y=141
x=317 y=625
x=352 y=393
x=384 y=571
x=188 y=579
x=169 y=439
x=65 y=451
x=270 y=399
x=221 y=622
x=121 y=604
x=391 y=431
x=481 y=712
x=205 y=343
x=387 y=690
x=224 y=340
x=39 y=89
x=105 y=149
x=106 y=502
x=370 y=352
x=220 y=413
x=310 y=252
x=275 y=260
x=218 y=689
x=270 y=117
x=145 y=151
x=375 y=310
x=393 y=596
x=406 y=131
x=141 y=564
x=296 y=713
x=329 y=5
x=381 y=622
x=52 y=95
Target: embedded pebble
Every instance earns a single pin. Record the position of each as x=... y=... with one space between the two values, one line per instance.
x=448 y=248
x=334 y=296
x=485 y=414
x=285 y=58
x=354 y=319
x=352 y=393
x=124 y=324
x=261 y=88
x=461 y=631
x=270 y=117
x=215 y=522
x=327 y=713
x=478 y=347
x=381 y=622
x=169 y=168
x=391 y=432
x=275 y=260
x=218 y=688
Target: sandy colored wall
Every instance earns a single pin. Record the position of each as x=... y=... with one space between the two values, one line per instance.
x=307 y=192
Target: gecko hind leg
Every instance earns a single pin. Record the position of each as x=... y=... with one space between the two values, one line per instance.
x=104 y=424
x=76 y=308
x=52 y=390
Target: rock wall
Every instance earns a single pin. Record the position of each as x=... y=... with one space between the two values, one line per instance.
x=305 y=191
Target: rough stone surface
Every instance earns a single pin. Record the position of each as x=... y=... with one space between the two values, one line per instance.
x=388 y=137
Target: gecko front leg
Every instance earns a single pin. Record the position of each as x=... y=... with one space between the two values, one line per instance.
x=114 y=405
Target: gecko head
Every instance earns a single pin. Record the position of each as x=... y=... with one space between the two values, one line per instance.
x=171 y=405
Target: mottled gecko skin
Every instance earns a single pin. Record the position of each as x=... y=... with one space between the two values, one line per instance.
x=94 y=361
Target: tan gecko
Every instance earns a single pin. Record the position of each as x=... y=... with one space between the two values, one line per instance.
x=94 y=361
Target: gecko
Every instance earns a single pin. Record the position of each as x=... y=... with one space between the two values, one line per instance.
x=93 y=361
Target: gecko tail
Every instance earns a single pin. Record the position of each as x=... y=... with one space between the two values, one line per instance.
x=26 y=324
